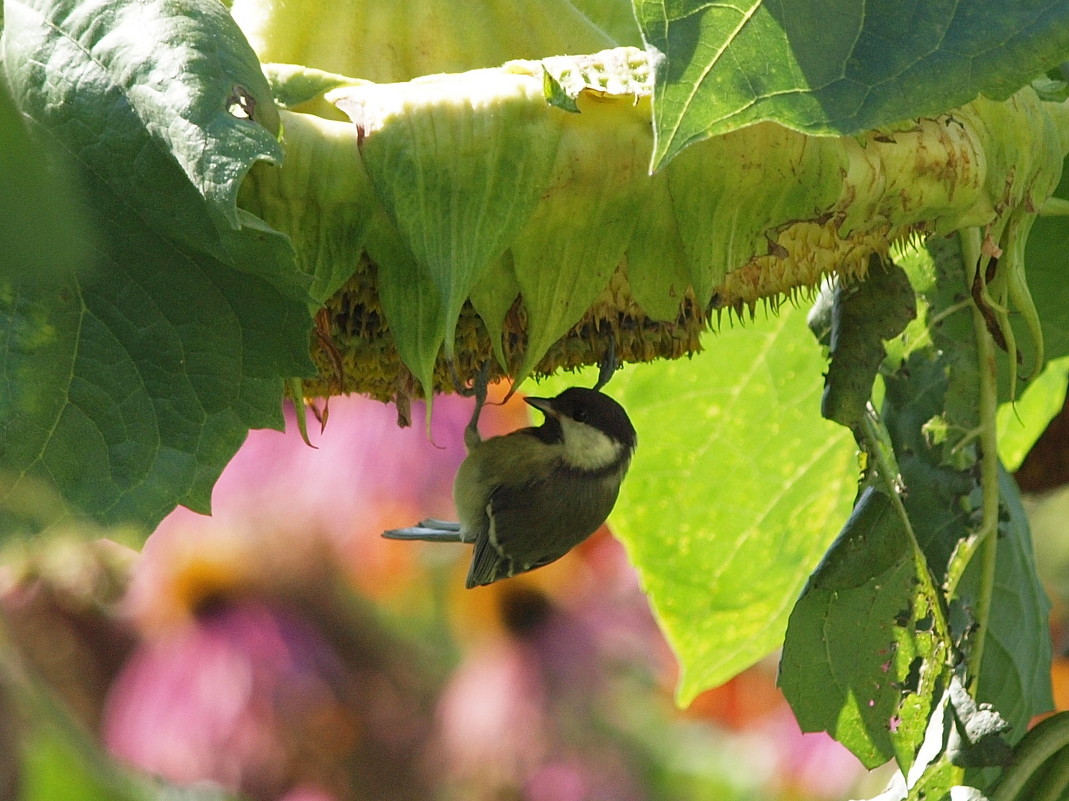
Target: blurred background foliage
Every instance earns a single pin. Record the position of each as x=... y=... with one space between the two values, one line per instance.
x=282 y=650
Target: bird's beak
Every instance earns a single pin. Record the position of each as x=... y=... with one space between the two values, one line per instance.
x=544 y=405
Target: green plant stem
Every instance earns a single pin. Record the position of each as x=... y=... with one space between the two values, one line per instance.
x=1054 y=207
x=1039 y=745
x=985 y=540
x=1055 y=779
x=882 y=450
x=988 y=536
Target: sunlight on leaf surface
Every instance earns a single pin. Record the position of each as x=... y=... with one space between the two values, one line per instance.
x=836 y=67
x=735 y=492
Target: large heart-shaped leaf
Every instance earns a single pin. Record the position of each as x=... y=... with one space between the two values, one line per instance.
x=837 y=67
x=127 y=386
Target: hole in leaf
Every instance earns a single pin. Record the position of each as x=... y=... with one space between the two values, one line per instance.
x=240 y=104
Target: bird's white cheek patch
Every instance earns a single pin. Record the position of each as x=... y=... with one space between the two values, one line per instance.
x=586 y=448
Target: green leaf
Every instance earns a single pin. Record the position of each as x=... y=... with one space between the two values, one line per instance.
x=557 y=95
x=656 y=267
x=129 y=386
x=863 y=315
x=614 y=17
x=933 y=775
x=128 y=113
x=864 y=632
x=60 y=766
x=32 y=249
x=184 y=70
x=1048 y=242
x=931 y=406
x=293 y=85
x=493 y=297
x=1015 y=675
x=723 y=531
x=458 y=173
x=932 y=412
x=326 y=219
x=410 y=301
x=1039 y=766
x=931 y=409
x=389 y=42
x=728 y=196
x=1021 y=423
x=568 y=249
x=836 y=68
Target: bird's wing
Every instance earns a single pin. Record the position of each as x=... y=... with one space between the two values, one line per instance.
x=516 y=541
x=488 y=563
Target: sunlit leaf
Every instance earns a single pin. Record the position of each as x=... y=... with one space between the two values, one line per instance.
x=387 y=42
x=1021 y=423
x=735 y=493
x=840 y=67
x=931 y=406
x=865 y=633
x=458 y=171
x=568 y=250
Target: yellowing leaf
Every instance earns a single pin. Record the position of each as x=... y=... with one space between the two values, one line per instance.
x=458 y=171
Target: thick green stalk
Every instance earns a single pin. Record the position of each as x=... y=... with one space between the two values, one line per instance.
x=1038 y=746
x=1056 y=779
x=985 y=540
x=881 y=449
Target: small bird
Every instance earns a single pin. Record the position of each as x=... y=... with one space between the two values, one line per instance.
x=527 y=498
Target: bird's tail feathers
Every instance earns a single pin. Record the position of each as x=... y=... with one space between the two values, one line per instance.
x=439 y=525
x=430 y=530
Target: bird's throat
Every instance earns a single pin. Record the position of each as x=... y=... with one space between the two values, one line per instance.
x=588 y=449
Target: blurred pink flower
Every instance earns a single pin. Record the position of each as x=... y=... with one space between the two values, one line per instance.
x=531 y=712
x=245 y=675
x=492 y=717
x=241 y=612
x=597 y=776
x=809 y=765
x=557 y=782
x=249 y=698
x=307 y=793
x=363 y=475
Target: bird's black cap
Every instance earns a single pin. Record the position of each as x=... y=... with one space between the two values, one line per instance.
x=593 y=408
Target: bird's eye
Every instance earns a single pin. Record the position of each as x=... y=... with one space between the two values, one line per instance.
x=579 y=416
